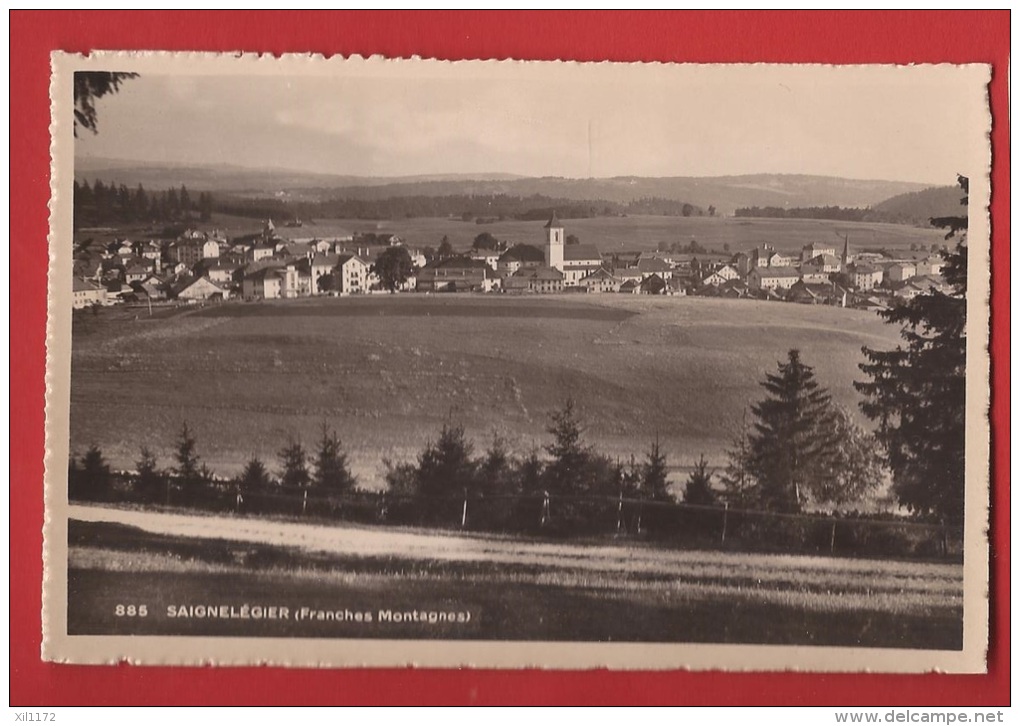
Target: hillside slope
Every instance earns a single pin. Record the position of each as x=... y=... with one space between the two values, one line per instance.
x=387 y=372
x=918 y=207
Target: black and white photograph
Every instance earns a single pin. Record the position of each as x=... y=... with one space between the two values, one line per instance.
x=534 y=364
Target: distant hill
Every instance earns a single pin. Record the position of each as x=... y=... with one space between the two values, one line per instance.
x=236 y=178
x=920 y=206
x=725 y=193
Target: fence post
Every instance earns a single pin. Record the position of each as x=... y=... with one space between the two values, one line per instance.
x=463 y=513
x=725 y=516
x=832 y=538
x=304 y=502
x=619 y=513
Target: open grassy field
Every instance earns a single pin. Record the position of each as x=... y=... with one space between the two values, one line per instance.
x=508 y=588
x=616 y=234
x=388 y=371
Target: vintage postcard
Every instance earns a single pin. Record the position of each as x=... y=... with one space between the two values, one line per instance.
x=370 y=362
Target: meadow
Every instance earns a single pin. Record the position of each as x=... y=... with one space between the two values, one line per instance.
x=512 y=588
x=388 y=371
x=619 y=234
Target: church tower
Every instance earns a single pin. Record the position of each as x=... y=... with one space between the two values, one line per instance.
x=847 y=258
x=554 y=243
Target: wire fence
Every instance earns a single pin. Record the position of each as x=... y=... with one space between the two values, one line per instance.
x=562 y=516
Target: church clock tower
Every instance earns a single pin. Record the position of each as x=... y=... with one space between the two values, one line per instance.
x=554 y=243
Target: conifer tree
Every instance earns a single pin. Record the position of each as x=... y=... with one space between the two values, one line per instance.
x=446 y=468
x=531 y=473
x=190 y=471
x=792 y=441
x=89 y=86
x=570 y=457
x=255 y=476
x=149 y=481
x=699 y=485
x=331 y=468
x=495 y=473
x=917 y=392
x=739 y=486
x=294 y=465
x=92 y=480
x=653 y=475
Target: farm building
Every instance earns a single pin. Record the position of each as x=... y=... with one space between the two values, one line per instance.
x=601 y=280
x=535 y=279
x=817 y=294
x=199 y=288
x=652 y=285
x=649 y=266
x=456 y=274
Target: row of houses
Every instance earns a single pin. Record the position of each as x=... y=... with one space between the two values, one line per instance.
x=205 y=265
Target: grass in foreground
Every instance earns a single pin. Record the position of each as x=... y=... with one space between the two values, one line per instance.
x=698 y=597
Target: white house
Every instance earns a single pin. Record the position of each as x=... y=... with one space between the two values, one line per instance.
x=866 y=277
x=86 y=293
x=353 y=273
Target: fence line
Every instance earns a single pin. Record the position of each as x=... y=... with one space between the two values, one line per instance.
x=543 y=512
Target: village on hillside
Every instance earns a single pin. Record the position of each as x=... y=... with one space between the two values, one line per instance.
x=199 y=266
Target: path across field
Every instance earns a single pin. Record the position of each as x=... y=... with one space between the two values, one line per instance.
x=517 y=588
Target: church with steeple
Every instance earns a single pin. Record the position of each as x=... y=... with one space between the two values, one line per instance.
x=575 y=261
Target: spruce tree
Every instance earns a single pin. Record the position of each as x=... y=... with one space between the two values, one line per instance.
x=190 y=471
x=148 y=479
x=653 y=475
x=699 y=485
x=570 y=457
x=331 y=469
x=294 y=466
x=92 y=480
x=446 y=468
x=792 y=441
x=495 y=471
x=917 y=392
x=255 y=476
x=531 y=473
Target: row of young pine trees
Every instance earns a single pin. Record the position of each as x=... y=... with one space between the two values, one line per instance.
x=801 y=450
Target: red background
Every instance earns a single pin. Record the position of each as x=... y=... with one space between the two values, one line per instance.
x=827 y=37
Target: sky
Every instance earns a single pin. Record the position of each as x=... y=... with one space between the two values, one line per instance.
x=385 y=118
